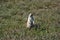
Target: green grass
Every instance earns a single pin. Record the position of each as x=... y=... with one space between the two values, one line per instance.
x=13 y=17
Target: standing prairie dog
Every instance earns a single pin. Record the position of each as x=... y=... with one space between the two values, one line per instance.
x=30 y=21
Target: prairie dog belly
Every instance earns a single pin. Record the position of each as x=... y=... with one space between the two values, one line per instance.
x=29 y=23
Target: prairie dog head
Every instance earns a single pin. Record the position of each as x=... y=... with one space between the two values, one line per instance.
x=30 y=15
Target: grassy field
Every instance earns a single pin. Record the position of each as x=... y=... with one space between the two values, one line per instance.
x=13 y=17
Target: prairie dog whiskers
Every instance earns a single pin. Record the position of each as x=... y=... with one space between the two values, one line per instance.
x=30 y=21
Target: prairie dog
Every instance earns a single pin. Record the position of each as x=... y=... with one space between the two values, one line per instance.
x=30 y=21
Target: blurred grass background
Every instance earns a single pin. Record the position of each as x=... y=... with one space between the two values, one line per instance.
x=13 y=17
